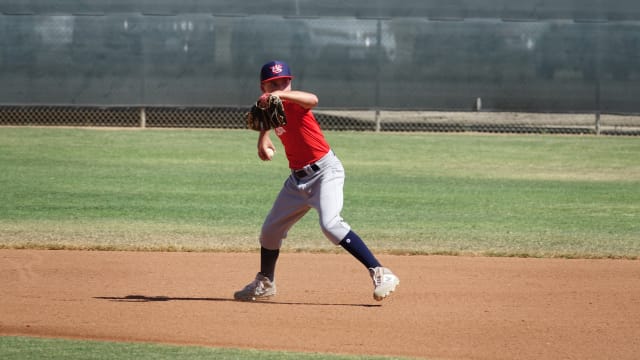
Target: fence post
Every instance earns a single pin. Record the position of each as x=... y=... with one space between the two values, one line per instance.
x=143 y=118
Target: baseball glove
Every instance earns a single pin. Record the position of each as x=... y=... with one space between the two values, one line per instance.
x=267 y=113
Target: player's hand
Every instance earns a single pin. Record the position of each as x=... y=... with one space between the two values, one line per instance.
x=266 y=154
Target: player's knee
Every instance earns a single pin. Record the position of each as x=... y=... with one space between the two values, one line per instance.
x=334 y=228
x=272 y=238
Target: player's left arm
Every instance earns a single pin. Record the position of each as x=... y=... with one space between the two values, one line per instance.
x=305 y=99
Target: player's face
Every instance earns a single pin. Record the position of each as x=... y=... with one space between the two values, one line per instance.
x=277 y=84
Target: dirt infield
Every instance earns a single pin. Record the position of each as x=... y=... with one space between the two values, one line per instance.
x=445 y=307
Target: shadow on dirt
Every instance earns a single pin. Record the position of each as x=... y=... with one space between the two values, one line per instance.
x=144 y=298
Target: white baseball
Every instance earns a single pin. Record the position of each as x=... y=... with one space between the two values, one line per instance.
x=270 y=152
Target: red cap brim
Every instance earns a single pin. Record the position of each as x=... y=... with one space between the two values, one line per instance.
x=276 y=78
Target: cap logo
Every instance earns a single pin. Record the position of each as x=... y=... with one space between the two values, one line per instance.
x=276 y=69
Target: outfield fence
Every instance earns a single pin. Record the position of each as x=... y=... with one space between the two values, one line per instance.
x=560 y=66
x=337 y=120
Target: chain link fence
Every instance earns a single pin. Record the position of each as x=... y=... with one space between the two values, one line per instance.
x=337 y=120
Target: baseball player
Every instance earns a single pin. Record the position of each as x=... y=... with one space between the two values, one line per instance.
x=316 y=181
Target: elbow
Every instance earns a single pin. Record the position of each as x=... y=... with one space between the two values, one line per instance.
x=313 y=102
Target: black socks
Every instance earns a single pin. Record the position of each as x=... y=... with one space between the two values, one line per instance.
x=268 y=259
x=356 y=247
x=352 y=243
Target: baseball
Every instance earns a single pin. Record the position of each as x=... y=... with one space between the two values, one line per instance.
x=270 y=152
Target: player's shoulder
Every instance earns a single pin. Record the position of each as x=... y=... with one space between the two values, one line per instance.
x=293 y=106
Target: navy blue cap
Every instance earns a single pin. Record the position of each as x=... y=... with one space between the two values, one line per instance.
x=275 y=70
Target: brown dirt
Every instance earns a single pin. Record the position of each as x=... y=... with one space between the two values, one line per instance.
x=445 y=307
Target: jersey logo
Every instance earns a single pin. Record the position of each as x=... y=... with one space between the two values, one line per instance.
x=276 y=69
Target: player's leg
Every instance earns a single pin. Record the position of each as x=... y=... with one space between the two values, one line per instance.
x=358 y=249
x=289 y=207
x=286 y=210
x=329 y=202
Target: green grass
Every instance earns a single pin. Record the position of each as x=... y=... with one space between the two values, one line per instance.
x=21 y=348
x=205 y=190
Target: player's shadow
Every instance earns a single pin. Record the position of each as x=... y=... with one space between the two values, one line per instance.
x=145 y=298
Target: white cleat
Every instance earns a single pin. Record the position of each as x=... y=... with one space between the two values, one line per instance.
x=384 y=282
x=259 y=289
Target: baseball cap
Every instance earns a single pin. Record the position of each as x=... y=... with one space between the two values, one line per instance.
x=275 y=70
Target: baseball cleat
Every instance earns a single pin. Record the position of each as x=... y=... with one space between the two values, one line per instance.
x=259 y=289
x=384 y=282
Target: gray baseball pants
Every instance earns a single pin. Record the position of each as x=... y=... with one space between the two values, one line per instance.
x=320 y=189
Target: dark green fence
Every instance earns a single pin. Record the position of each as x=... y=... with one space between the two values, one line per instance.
x=542 y=56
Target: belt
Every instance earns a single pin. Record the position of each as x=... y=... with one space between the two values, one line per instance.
x=306 y=171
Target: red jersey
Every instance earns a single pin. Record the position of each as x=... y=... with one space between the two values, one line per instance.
x=302 y=138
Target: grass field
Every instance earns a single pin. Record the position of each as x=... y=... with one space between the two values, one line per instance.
x=205 y=190
x=20 y=348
